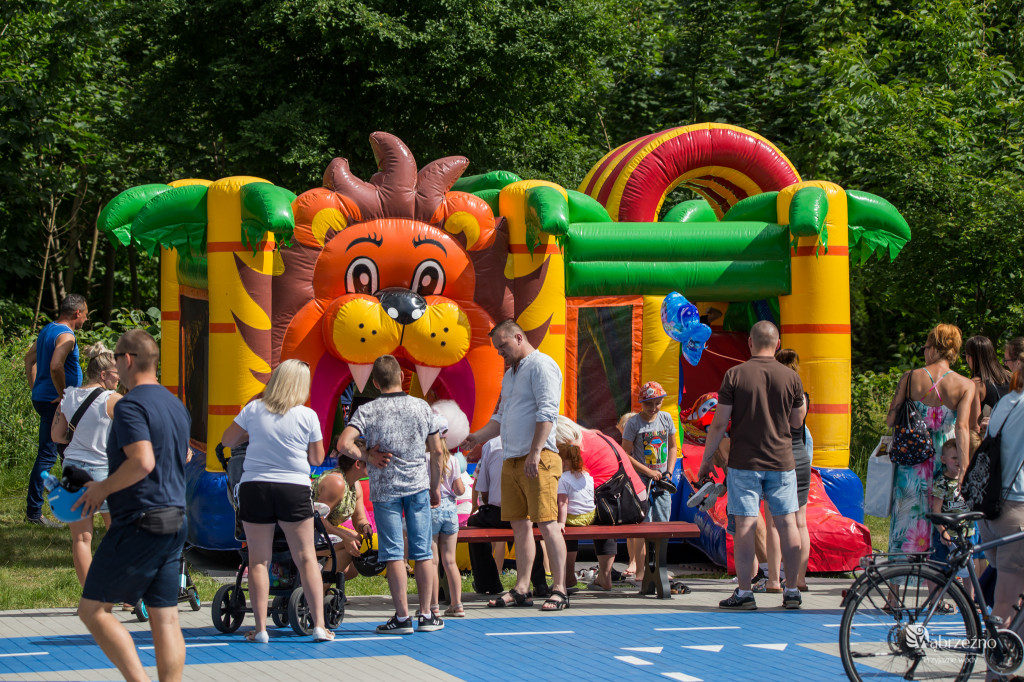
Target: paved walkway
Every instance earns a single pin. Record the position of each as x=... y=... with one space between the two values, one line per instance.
x=603 y=636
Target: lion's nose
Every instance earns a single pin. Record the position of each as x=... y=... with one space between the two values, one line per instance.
x=402 y=305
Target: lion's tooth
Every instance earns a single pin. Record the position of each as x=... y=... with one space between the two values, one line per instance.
x=426 y=376
x=360 y=374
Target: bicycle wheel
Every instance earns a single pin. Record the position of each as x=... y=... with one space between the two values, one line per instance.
x=876 y=640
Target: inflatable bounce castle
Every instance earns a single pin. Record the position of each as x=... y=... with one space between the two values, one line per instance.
x=421 y=263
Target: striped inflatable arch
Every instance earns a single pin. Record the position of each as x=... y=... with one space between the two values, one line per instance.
x=720 y=162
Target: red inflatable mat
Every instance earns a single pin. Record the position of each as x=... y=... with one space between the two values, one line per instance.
x=837 y=543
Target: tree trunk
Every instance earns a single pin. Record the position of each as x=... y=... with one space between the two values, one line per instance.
x=110 y=261
x=92 y=261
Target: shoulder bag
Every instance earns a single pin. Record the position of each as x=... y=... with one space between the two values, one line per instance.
x=911 y=439
x=982 y=488
x=616 y=500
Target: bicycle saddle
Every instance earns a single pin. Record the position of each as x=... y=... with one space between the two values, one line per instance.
x=954 y=519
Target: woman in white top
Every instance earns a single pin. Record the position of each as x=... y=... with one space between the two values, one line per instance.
x=284 y=440
x=88 y=446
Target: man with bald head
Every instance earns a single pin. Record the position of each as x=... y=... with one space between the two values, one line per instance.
x=138 y=557
x=764 y=399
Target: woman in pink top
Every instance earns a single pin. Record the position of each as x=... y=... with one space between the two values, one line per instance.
x=602 y=457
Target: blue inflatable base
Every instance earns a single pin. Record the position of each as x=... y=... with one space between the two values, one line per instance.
x=846 y=492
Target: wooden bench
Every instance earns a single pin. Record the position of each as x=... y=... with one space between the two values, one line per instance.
x=656 y=535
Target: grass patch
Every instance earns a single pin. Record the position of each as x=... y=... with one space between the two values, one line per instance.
x=879 y=527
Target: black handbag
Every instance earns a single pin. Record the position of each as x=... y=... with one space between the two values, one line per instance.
x=911 y=439
x=616 y=500
x=982 y=488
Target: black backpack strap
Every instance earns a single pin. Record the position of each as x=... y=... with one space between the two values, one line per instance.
x=80 y=412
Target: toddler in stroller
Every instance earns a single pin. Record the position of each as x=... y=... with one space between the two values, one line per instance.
x=288 y=603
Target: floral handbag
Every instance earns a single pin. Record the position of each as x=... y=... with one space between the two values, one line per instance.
x=911 y=439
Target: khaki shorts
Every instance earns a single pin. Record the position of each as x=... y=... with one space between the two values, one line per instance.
x=1008 y=557
x=532 y=498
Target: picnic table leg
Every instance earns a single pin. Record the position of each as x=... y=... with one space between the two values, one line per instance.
x=656 y=571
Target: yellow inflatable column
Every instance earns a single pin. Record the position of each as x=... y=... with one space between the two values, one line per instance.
x=659 y=359
x=233 y=364
x=170 y=310
x=816 y=324
x=170 y=321
x=538 y=275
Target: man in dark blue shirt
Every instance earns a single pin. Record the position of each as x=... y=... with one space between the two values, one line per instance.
x=51 y=365
x=138 y=557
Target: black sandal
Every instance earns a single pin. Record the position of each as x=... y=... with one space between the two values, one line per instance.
x=518 y=600
x=557 y=601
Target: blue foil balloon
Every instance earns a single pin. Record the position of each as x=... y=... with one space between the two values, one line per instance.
x=682 y=323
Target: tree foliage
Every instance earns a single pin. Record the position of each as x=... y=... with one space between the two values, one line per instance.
x=918 y=102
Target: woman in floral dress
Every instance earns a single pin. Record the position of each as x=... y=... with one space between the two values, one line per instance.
x=945 y=400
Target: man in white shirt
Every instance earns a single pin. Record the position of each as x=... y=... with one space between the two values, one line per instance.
x=531 y=391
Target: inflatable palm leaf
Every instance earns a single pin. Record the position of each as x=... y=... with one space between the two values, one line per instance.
x=157 y=215
x=876 y=227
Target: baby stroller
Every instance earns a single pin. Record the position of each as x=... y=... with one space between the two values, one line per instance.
x=287 y=602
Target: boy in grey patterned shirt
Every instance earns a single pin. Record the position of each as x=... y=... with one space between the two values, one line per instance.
x=396 y=426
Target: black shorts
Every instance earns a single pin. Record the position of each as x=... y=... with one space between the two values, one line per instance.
x=604 y=547
x=261 y=502
x=131 y=564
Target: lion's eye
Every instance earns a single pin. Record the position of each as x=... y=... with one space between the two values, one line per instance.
x=428 y=278
x=361 y=277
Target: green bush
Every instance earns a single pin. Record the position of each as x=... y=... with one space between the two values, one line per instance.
x=871 y=394
x=20 y=425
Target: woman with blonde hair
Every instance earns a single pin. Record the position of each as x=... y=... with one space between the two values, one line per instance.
x=87 y=448
x=602 y=458
x=945 y=401
x=284 y=440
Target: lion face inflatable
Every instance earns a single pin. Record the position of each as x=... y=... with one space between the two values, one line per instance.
x=392 y=266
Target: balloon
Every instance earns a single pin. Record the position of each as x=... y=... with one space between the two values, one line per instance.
x=682 y=323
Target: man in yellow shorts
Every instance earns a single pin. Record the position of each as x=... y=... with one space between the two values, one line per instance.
x=530 y=394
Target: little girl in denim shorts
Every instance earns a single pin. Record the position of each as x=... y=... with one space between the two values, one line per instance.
x=445 y=521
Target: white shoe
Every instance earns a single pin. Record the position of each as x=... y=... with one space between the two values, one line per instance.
x=260 y=637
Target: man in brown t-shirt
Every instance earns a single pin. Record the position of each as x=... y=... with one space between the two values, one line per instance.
x=764 y=399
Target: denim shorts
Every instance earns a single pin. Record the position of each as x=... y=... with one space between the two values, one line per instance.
x=388 y=517
x=444 y=520
x=661 y=503
x=131 y=564
x=746 y=488
x=98 y=472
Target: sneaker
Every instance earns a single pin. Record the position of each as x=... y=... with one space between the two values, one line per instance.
x=43 y=521
x=396 y=627
x=739 y=603
x=791 y=599
x=430 y=623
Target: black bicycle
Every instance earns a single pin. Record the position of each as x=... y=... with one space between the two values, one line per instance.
x=894 y=623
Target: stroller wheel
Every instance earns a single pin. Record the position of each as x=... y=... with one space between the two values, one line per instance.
x=141 y=612
x=334 y=608
x=299 y=616
x=279 y=611
x=227 y=615
x=193 y=598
